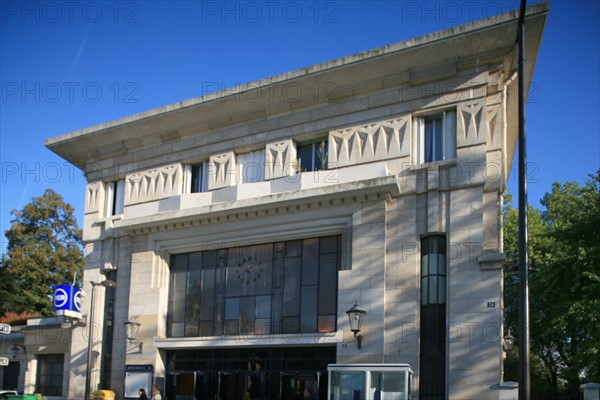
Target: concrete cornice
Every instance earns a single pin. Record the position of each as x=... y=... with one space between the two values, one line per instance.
x=281 y=203
x=427 y=57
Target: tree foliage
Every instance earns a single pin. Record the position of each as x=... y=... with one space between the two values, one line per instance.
x=44 y=249
x=564 y=249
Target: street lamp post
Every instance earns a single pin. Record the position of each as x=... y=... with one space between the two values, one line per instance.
x=106 y=283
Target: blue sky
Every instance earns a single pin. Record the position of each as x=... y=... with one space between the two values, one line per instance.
x=68 y=65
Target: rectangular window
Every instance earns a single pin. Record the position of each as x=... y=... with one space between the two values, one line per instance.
x=195 y=178
x=312 y=156
x=50 y=374
x=115 y=197
x=251 y=166
x=433 y=318
x=284 y=287
x=435 y=137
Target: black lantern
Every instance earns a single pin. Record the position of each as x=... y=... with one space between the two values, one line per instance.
x=355 y=315
x=14 y=350
x=131 y=330
x=509 y=341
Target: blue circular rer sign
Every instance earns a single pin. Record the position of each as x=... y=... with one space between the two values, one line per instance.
x=67 y=301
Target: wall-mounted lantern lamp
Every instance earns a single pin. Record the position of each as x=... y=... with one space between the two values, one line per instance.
x=131 y=330
x=14 y=350
x=355 y=314
x=509 y=341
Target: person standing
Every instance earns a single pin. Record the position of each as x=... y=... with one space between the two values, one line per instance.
x=156 y=393
x=308 y=393
x=143 y=395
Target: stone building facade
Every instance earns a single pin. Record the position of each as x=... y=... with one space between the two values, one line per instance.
x=240 y=226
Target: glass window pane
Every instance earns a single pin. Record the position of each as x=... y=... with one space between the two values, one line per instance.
x=232 y=327
x=291 y=287
x=305 y=157
x=424 y=291
x=328 y=284
x=263 y=307
x=442 y=290
x=207 y=301
x=442 y=264
x=196 y=178
x=247 y=311
x=348 y=385
x=249 y=270
x=424 y=265
x=310 y=261
x=320 y=155
x=433 y=281
x=179 y=287
x=293 y=248
x=291 y=325
x=433 y=265
x=326 y=323
x=329 y=244
x=232 y=308
x=387 y=385
x=179 y=261
x=308 y=314
x=262 y=326
x=177 y=329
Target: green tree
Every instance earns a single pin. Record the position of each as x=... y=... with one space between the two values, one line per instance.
x=44 y=249
x=564 y=249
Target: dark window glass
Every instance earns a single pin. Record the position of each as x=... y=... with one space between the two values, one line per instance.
x=197 y=178
x=284 y=287
x=310 y=261
x=313 y=156
x=291 y=287
x=50 y=374
x=308 y=315
x=433 y=139
x=327 y=281
x=433 y=318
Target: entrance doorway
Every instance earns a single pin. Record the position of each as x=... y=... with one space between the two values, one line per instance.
x=258 y=374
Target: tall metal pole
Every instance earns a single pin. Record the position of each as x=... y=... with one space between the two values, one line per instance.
x=89 y=349
x=524 y=372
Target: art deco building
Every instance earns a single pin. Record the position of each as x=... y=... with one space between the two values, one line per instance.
x=242 y=225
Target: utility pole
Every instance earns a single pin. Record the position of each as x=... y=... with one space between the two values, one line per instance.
x=524 y=362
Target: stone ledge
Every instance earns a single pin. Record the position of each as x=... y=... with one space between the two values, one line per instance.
x=491 y=259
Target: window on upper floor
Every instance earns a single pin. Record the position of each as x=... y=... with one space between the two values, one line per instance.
x=115 y=198
x=251 y=166
x=435 y=137
x=195 y=178
x=312 y=156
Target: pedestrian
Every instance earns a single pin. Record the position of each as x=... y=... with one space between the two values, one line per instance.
x=308 y=393
x=143 y=395
x=156 y=393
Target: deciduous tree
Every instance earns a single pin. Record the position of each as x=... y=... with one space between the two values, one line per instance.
x=44 y=249
x=564 y=249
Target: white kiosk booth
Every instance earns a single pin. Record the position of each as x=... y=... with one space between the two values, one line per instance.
x=369 y=382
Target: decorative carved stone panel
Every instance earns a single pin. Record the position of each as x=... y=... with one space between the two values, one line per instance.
x=221 y=171
x=94 y=194
x=471 y=124
x=153 y=184
x=367 y=143
x=280 y=159
x=494 y=118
